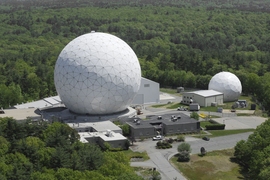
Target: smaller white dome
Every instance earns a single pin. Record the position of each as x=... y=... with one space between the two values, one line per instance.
x=228 y=84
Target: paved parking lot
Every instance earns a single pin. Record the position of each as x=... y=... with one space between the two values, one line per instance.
x=240 y=122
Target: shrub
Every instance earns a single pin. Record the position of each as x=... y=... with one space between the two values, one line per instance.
x=125 y=128
x=163 y=145
x=127 y=144
x=184 y=147
x=215 y=127
x=159 y=143
x=170 y=140
x=180 y=138
x=184 y=152
x=183 y=156
x=195 y=115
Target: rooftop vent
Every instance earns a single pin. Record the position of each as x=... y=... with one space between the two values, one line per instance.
x=109 y=133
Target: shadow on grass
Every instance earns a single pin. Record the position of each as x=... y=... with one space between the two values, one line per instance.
x=202 y=155
x=243 y=170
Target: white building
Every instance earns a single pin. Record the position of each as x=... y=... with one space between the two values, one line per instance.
x=148 y=92
x=203 y=97
x=100 y=132
x=115 y=140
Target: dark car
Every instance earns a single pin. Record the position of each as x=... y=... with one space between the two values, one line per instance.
x=206 y=138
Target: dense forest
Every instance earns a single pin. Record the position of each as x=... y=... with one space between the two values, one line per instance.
x=42 y=151
x=254 y=153
x=178 y=43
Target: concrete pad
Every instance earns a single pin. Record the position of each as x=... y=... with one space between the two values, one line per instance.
x=165 y=96
x=241 y=122
x=189 y=139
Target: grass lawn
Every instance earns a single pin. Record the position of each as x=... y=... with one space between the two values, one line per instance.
x=130 y=154
x=216 y=165
x=170 y=91
x=168 y=105
x=204 y=123
x=145 y=172
x=217 y=133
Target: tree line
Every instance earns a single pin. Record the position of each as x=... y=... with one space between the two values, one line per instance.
x=176 y=46
x=254 y=153
x=43 y=151
x=248 y=5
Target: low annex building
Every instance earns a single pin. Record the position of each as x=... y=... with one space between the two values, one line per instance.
x=204 y=98
x=115 y=140
x=167 y=124
x=100 y=133
x=148 y=92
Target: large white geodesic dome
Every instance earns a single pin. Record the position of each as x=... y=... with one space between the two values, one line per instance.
x=97 y=73
x=228 y=84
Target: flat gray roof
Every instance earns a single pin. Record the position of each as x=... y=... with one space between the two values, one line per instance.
x=206 y=93
x=46 y=102
x=153 y=121
x=101 y=126
x=113 y=136
x=20 y=114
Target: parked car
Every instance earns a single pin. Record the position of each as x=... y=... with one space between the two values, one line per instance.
x=157 y=138
x=206 y=138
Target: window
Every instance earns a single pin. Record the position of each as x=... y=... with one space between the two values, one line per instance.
x=146 y=85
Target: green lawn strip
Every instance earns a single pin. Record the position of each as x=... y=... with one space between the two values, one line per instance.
x=215 y=165
x=168 y=105
x=170 y=91
x=130 y=154
x=174 y=106
x=217 y=133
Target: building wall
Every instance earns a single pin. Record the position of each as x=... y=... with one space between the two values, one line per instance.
x=217 y=98
x=114 y=144
x=202 y=101
x=148 y=92
x=199 y=99
x=186 y=98
x=193 y=127
x=142 y=132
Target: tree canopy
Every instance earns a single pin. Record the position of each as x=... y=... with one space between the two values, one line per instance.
x=178 y=43
x=254 y=153
x=53 y=151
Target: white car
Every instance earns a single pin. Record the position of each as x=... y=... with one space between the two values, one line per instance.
x=156 y=138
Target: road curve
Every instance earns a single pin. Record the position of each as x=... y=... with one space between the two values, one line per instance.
x=159 y=158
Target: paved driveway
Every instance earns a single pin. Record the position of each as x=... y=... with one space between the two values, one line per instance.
x=159 y=158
